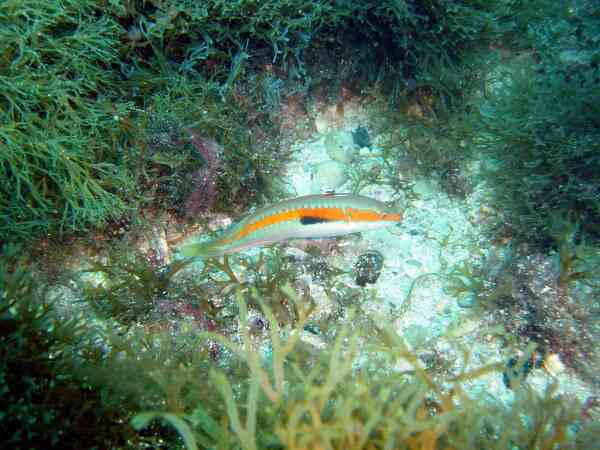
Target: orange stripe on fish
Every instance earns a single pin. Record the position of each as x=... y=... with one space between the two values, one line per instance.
x=311 y=216
x=315 y=215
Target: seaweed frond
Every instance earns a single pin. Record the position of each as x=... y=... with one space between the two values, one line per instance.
x=353 y=396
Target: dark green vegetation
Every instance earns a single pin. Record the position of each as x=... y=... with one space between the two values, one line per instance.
x=84 y=383
x=246 y=165
x=133 y=283
x=532 y=116
x=87 y=86
x=549 y=300
x=46 y=403
x=540 y=127
x=412 y=48
x=99 y=100
x=538 y=130
x=62 y=137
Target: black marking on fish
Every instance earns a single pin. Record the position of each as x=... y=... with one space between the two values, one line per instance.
x=311 y=220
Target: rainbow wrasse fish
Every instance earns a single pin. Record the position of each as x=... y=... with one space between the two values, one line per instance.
x=311 y=216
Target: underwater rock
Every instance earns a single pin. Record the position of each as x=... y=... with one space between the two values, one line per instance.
x=415 y=335
x=425 y=189
x=529 y=299
x=328 y=176
x=517 y=369
x=293 y=118
x=361 y=137
x=467 y=300
x=553 y=365
x=368 y=268
x=340 y=147
x=321 y=123
x=573 y=56
x=329 y=117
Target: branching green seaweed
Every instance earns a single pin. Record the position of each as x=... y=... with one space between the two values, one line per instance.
x=129 y=287
x=359 y=390
x=337 y=402
x=246 y=167
x=538 y=127
x=61 y=164
x=45 y=404
x=262 y=278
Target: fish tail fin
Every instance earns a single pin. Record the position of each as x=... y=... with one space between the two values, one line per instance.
x=200 y=250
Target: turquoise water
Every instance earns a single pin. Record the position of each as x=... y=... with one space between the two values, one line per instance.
x=130 y=129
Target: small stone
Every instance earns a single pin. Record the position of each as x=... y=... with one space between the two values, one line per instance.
x=467 y=300
x=553 y=365
x=415 y=335
x=424 y=189
x=328 y=176
x=368 y=268
x=339 y=147
x=321 y=123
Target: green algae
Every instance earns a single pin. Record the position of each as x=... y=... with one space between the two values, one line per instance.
x=61 y=165
x=537 y=124
x=358 y=386
x=130 y=285
x=336 y=402
x=79 y=80
x=246 y=167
